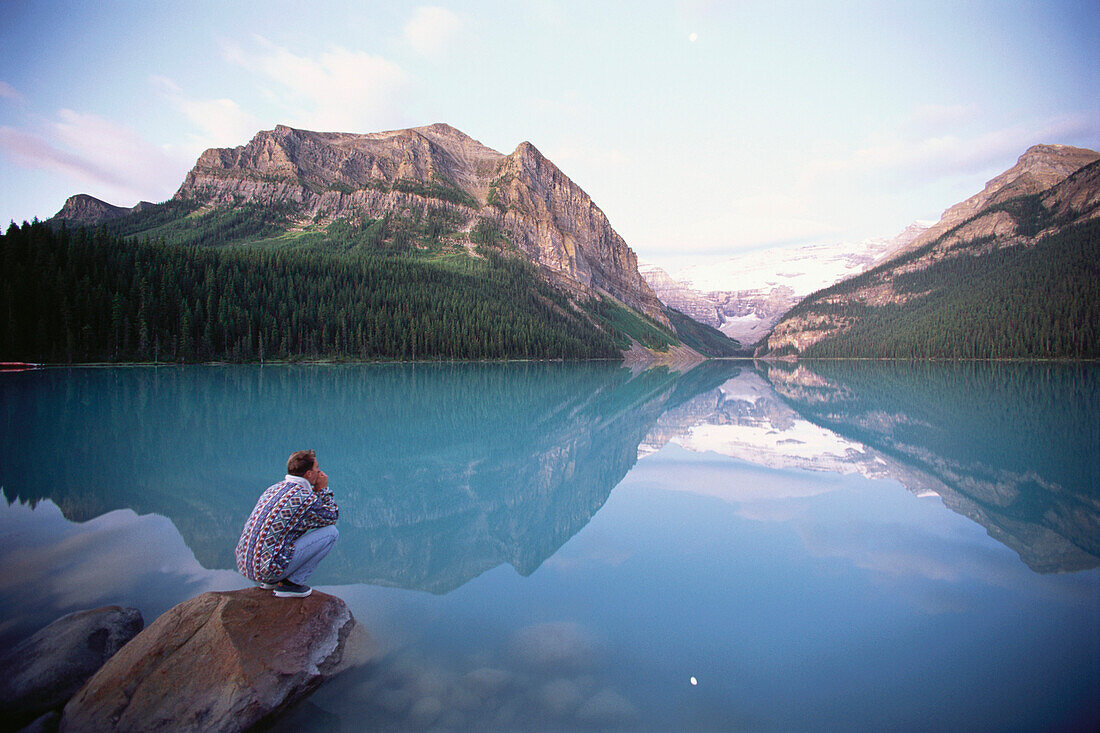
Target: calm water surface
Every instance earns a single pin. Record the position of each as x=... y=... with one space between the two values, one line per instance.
x=833 y=545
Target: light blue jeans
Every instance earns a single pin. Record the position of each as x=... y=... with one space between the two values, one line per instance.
x=309 y=551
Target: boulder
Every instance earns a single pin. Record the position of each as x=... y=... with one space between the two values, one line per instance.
x=218 y=662
x=42 y=672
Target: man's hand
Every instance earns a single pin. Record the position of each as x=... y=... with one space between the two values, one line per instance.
x=322 y=481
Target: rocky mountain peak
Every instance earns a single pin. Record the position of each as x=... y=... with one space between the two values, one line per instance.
x=87 y=210
x=328 y=175
x=1052 y=190
x=559 y=226
x=1037 y=170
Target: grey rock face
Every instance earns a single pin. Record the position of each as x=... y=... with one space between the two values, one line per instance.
x=551 y=221
x=83 y=209
x=1040 y=168
x=218 y=662
x=44 y=671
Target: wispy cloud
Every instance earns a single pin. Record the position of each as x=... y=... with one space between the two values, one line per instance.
x=221 y=122
x=7 y=91
x=432 y=30
x=113 y=160
x=934 y=118
x=914 y=160
x=336 y=90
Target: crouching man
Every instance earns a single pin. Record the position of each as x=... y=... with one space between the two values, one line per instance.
x=291 y=529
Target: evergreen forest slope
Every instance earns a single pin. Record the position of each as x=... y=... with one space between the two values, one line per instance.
x=1017 y=278
x=91 y=296
x=411 y=244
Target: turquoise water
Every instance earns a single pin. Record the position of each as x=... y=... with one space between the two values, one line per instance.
x=832 y=545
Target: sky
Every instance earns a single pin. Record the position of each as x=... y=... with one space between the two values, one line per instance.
x=700 y=128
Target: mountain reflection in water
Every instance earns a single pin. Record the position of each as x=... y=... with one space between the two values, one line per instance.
x=446 y=471
x=442 y=471
x=1011 y=446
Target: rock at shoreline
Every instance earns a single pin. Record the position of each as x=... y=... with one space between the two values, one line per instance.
x=218 y=662
x=42 y=672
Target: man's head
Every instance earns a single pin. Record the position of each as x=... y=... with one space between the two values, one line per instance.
x=302 y=463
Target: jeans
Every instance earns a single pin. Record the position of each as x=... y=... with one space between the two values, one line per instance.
x=309 y=551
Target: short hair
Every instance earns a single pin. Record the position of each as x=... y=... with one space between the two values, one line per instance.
x=300 y=462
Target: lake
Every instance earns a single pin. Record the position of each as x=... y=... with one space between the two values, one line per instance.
x=821 y=545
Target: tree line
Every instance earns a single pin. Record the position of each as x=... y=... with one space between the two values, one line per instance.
x=1040 y=301
x=71 y=296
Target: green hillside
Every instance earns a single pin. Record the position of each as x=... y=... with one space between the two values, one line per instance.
x=703 y=338
x=88 y=297
x=1023 y=301
x=377 y=289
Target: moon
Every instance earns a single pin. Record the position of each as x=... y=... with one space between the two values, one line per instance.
x=693 y=37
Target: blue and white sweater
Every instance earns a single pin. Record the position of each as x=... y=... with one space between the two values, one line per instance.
x=283 y=513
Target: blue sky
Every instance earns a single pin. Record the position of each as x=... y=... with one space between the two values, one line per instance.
x=700 y=128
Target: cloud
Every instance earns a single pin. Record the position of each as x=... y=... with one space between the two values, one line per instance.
x=7 y=91
x=914 y=160
x=74 y=565
x=932 y=118
x=221 y=122
x=335 y=90
x=117 y=163
x=910 y=551
x=431 y=30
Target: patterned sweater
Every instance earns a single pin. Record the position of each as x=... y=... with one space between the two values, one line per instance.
x=284 y=513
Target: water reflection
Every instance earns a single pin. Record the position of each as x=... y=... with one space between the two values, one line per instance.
x=444 y=471
x=1011 y=446
x=741 y=526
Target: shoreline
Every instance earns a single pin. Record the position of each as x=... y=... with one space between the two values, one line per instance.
x=33 y=366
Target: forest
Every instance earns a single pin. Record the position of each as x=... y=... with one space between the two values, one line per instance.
x=72 y=296
x=1024 y=301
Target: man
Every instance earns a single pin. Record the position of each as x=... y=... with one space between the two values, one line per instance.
x=291 y=529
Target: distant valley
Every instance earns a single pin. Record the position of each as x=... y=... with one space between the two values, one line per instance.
x=746 y=295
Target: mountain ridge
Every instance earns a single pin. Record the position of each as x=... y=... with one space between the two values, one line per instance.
x=429 y=203
x=545 y=215
x=1038 y=169
x=746 y=295
x=1010 y=272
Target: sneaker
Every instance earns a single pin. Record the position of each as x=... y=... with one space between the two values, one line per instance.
x=267 y=586
x=286 y=589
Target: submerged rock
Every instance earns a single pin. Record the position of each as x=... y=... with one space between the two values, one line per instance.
x=218 y=662
x=42 y=672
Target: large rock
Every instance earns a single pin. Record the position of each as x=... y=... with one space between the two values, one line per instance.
x=218 y=662
x=42 y=672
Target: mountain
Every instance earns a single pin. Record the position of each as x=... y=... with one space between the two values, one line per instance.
x=522 y=196
x=1012 y=272
x=483 y=255
x=745 y=295
x=84 y=210
x=1038 y=169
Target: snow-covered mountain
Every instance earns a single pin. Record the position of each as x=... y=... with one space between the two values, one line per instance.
x=745 y=295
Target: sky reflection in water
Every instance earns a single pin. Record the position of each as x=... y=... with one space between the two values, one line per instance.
x=752 y=529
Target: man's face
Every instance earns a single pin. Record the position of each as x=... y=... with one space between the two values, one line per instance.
x=314 y=473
